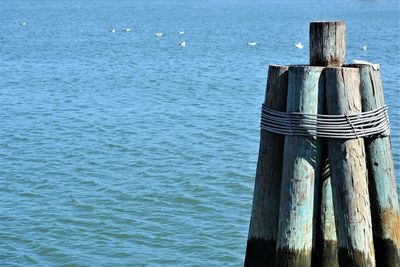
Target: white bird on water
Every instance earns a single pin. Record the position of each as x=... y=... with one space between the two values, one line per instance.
x=251 y=43
x=127 y=29
x=299 y=45
x=183 y=43
x=112 y=30
x=180 y=32
x=159 y=34
x=23 y=23
x=364 y=48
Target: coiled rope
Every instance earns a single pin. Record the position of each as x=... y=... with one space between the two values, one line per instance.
x=350 y=126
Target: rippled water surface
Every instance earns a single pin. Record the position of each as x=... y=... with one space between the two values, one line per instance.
x=126 y=149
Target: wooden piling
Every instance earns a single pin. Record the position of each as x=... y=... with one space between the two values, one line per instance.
x=327 y=43
x=261 y=242
x=325 y=50
x=325 y=253
x=349 y=173
x=382 y=181
x=300 y=171
x=351 y=214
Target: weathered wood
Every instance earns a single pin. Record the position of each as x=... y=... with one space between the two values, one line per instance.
x=261 y=243
x=300 y=171
x=326 y=51
x=349 y=173
x=382 y=181
x=325 y=253
x=327 y=43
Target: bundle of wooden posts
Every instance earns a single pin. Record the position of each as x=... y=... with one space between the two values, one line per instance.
x=324 y=201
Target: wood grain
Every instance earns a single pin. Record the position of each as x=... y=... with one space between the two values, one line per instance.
x=261 y=243
x=349 y=173
x=327 y=43
x=382 y=180
x=300 y=171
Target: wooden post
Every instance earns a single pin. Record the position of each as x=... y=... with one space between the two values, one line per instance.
x=327 y=48
x=325 y=253
x=382 y=180
x=327 y=43
x=300 y=171
x=349 y=173
x=261 y=242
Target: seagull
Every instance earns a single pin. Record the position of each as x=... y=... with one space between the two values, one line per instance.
x=183 y=43
x=23 y=23
x=159 y=34
x=127 y=29
x=364 y=48
x=299 y=45
x=180 y=33
x=112 y=30
x=251 y=43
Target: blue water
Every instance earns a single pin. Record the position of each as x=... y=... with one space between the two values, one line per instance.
x=125 y=149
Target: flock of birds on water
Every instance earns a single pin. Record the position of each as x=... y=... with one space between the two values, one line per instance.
x=158 y=34
x=297 y=45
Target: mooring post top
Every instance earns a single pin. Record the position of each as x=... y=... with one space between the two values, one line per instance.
x=328 y=22
x=305 y=67
x=278 y=67
x=327 y=43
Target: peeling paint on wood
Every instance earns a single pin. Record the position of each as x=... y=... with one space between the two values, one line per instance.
x=300 y=171
x=261 y=243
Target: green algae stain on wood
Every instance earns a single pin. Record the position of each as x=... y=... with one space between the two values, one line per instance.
x=300 y=171
x=327 y=48
x=382 y=180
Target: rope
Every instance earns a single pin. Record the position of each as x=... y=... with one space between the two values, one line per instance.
x=349 y=126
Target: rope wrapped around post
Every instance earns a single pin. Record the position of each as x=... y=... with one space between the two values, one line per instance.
x=349 y=126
